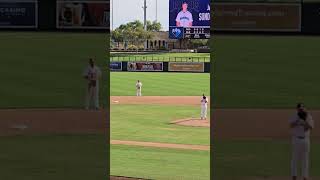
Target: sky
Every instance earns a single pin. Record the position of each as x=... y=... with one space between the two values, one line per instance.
x=125 y=11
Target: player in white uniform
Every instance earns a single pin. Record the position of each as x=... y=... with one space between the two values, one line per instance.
x=204 y=107
x=184 y=17
x=92 y=74
x=301 y=124
x=139 y=87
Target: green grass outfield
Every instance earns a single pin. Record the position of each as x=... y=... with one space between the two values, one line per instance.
x=160 y=84
x=160 y=164
x=266 y=71
x=44 y=69
x=53 y=157
x=151 y=123
x=257 y=158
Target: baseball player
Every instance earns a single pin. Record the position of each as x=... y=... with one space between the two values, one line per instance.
x=204 y=107
x=92 y=74
x=301 y=124
x=184 y=17
x=139 y=87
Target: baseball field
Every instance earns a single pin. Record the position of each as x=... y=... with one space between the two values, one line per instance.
x=44 y=132
x=156 y=136
x=257 y=82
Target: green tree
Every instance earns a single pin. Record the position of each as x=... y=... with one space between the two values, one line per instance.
x=154 y=26
x=133 y=33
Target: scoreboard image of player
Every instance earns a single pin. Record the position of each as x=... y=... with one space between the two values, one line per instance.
x=189 y=19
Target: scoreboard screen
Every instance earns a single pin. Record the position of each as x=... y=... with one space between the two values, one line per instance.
x=189 y=19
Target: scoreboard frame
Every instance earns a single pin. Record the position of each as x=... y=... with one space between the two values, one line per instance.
x=200 y=10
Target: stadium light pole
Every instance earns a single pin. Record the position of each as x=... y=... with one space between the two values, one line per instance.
x=112 y=9
x=156 y=10
x=145 y=15
x=145 y=21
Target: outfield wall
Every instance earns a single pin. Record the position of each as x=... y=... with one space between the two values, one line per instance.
x=297 y=17
x=147 y=66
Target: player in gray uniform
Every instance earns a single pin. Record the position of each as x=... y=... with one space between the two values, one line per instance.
x=204 y=107
x=139 y=87
x=184 y=17
x=301 y=124
x=92 y=74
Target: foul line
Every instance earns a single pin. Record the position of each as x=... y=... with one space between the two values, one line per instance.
x=161 y=145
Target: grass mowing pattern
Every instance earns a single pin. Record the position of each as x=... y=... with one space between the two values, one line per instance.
x=260 y=158
x=53 y=157
x=160 y=164
x=160 y=84
x=45 y=69
x=151 y=123
x=266 y=72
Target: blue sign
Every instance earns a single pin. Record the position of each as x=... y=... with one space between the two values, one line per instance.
x=115 y=66
x=189 y=19
x=176 y=32
x=18 y=14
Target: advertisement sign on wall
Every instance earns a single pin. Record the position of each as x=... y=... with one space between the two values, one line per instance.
x=145 y=66
x=257 y=17
x=186 y=66
x=115 y=66
x=83 y=15
x=189 y=19
x=18 y=14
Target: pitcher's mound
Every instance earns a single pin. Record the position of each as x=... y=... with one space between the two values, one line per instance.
x=192 y=122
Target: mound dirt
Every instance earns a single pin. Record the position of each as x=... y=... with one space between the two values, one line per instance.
x=192 y=122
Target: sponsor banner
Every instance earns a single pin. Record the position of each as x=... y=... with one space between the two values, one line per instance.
x=83 y=15
x=311 y=17
x=115 y=66
x=145 y=66
x=18 y=14
x=186 y=66
x=189 y=19
x=281 y=17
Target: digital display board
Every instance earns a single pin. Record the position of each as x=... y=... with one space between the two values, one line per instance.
x=189 y=19
x=83 y=15
x=18 y=14
x=277 y=17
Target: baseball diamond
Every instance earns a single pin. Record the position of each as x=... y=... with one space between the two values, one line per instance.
x=162 y=146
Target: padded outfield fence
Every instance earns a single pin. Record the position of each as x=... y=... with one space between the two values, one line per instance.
x=159 y=66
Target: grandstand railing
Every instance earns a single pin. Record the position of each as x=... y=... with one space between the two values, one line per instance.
x=160 y=58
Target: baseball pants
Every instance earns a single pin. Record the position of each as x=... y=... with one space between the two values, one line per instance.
x=139 y=92
x=92 y=97
x=300 y=154
x=203 y=112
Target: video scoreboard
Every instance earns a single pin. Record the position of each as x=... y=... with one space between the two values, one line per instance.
x=189 y=19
